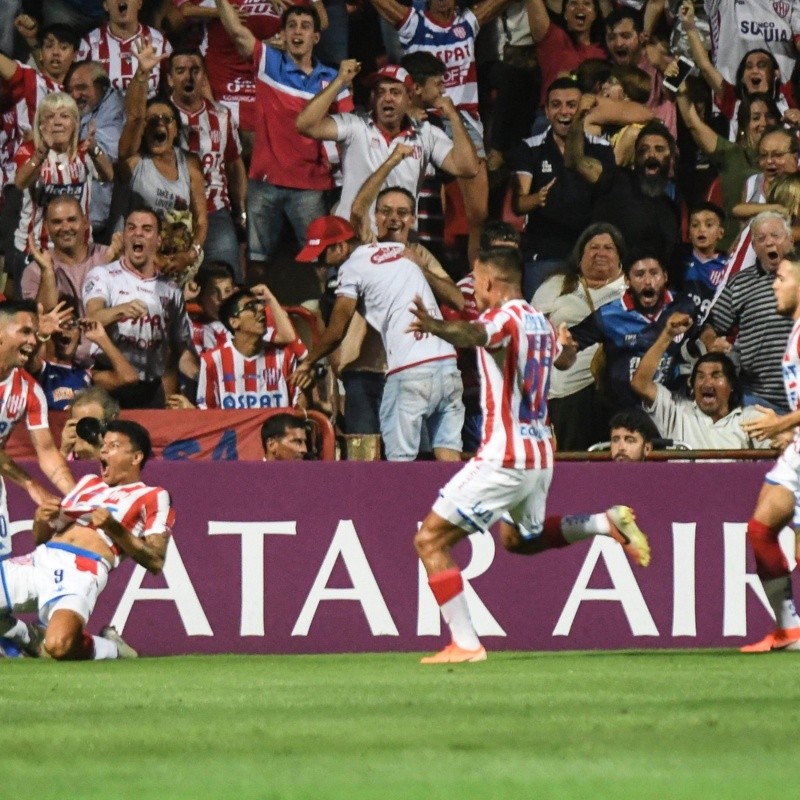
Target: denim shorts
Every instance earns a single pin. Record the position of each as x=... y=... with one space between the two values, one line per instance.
x=429 y=394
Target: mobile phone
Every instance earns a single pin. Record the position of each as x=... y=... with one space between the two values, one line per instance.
x=673 y=82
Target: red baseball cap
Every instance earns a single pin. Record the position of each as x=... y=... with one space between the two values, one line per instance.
x=324 y=231
x=391 y=72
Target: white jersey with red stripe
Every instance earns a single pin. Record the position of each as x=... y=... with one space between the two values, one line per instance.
x=453 y=45
x=60 y=174
x=385 y=283
x=142 y=510
x=515 y=365
x=791 y=371
x=118 y=56
x=208 y=335
x=21 y=396
x=738 y=27
x=211 y=134
x=230 y=380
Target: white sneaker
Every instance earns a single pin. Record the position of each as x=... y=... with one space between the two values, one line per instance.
x=123 y=648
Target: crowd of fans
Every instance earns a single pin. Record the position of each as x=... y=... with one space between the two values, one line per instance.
x=151 y=153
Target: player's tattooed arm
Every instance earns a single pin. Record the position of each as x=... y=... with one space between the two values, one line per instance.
x=149 y=552
x=458 y=333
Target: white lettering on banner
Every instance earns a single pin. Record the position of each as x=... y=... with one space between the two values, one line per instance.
x=429 y=620
x=251 y=622
x=365 y=588
x=625 y=590
x=737 y=578
x=179 y=590
x=684 y=618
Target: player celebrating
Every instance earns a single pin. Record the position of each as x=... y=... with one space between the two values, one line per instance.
x=81 y=539
x=22 y=397
x=510 y=475
x=778 y=504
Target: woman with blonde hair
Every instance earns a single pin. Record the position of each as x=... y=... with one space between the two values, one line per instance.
x=53 y=163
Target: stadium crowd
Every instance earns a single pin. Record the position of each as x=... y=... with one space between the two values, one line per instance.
x=638 y=157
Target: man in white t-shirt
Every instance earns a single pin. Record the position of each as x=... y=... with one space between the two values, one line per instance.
x=367 y=141
x=422 y=381
x=144 y=312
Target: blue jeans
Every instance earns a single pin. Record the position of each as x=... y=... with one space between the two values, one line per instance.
x=266 y=205
x=429 y=393
x=362 y=404
x=749 y=399
x=221 y=242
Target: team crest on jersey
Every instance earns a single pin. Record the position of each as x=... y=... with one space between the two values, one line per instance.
x=384 y=254
x=215 y=136
x=547 y=167
x=781 y=8
x=14 y=405
x=460 y=32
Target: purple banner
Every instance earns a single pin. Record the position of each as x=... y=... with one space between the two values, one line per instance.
x=318 y=558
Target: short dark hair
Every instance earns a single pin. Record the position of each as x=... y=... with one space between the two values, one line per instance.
x=62 y=33
x=621 y=14
x=563 y=82
x=99 y=75
x=185 y=50
x=401 y=190
x=640 y=254
x=592 y=73
x=213 y=270
x=230 y=307
x=657 y=128
x=728 y=369
x=136 y=433
x=707 y=205
x=9 y=308
x=636 y=420
x=506 y=263
x=301 y=11
x=498 y=230
x=279 y=425
x=422 y=65
x=141 y=208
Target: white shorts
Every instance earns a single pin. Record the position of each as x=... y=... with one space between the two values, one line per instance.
x=479 y=494
x=54 y=577
x=786 y=473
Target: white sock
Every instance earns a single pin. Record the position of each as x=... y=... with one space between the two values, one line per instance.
x=779 y=594
x=577 y=527
x=103 y=648
x=17 y=632
x=456 y=615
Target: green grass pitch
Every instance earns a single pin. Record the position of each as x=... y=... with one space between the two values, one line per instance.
x=700 y=724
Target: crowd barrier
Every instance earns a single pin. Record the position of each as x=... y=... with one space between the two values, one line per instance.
x=301 y=557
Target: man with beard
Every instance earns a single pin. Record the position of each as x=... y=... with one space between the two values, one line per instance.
x=712 y=417
x=631 y=435
x=637 y=202
x=628 y=327
x=102 y=110
x=207 y=128
x=555 y=198
x=747 y=304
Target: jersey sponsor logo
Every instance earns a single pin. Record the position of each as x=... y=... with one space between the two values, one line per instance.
x=384 y=254
x=252 y=400
x=452 y=55
x=767 y=31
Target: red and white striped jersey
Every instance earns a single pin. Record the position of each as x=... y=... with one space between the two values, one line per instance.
x=8 y=146
x=21 y=395
x=515 y=366
x=28 y=88
x=60 y=174
x=211 y=134
x=229 y=380
x=118 y=56
x=142 y=510
x=208 y=335
x=791 y=371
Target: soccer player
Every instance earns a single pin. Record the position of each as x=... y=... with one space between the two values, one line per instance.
x=778 y=504
x=103 y=520
x=509 y=477
x=21 y=397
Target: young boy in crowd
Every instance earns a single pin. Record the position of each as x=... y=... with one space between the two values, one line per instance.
x=705 y=265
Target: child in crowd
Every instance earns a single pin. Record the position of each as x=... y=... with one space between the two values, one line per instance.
x=705 y=265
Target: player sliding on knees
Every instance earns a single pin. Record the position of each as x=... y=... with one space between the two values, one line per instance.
x=81 y=539
x=510 y=475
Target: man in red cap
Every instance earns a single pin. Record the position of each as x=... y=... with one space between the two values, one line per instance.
x=423 y=384
x=366 y=142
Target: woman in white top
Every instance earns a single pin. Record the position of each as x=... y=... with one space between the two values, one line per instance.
x=591 y=278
